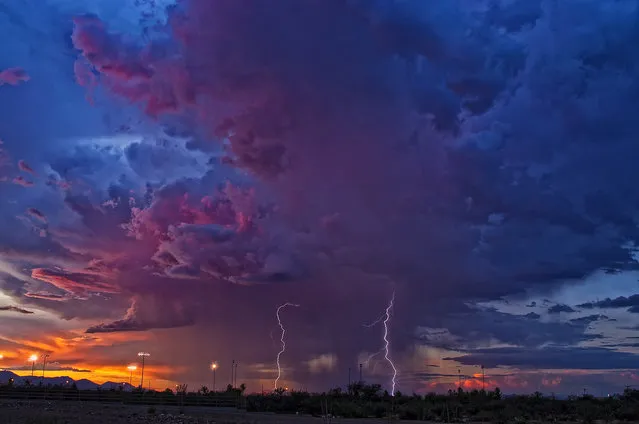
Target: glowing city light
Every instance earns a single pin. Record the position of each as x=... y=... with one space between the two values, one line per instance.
x=33 y=358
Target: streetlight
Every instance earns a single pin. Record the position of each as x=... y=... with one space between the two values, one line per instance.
x=33 y=358
x=233 y=373
x=235 y=381
x=44 y=364
x=214 y=367
x=131 y=368
x=143 y=355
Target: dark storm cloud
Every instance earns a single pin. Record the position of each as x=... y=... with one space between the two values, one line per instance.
x=560 y=308
x=280 y=132
x=476 y=328
x=589 y=319
x=617 y=302
x=147 y=314
x=592 y=358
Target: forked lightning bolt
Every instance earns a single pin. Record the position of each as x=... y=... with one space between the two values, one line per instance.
x=282 y=341
x=387 y=318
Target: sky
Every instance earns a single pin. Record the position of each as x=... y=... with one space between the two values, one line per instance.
x=171 y=172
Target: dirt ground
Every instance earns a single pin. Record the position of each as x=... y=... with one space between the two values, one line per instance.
x=42 y=412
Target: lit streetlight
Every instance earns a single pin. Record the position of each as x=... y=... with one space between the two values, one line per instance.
x=143 y=355
x=33 y=359
x=131 y=368
x=213 y=368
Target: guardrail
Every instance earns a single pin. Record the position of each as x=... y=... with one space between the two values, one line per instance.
x=213 y=400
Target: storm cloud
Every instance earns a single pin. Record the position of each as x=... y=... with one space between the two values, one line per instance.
x=450 y=154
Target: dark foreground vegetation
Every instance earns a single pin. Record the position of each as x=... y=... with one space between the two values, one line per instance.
x=368 y=401
x=363 y=401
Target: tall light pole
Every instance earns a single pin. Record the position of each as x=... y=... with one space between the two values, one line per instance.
x=131 y=368
x=360 y=374
x=483 y=379
x=233 y=374
x=213 y=368
x=235 y=382
x=44 y=365
x=33 y=359
x=143 y=355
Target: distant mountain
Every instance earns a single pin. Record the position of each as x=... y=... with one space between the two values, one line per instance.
x=83 y=384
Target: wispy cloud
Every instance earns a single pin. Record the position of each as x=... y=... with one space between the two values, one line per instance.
x=15 y=309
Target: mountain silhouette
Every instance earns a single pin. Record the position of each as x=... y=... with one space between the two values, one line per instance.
x=82 y=384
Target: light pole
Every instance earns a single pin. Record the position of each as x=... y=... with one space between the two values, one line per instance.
x=235 y=381
x=483 y=379
x=33 y=358
x=233 y=374
x=360 y=374
x=213 y=368
x=131 y=368
x=44 y=365
x=143 y=355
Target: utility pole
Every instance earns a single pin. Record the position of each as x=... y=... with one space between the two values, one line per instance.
x=233 y=374
x=142 y=355
x=44 y=365
x=361 y=381
x=235 y=382
x=483 y=379
x=459 y=374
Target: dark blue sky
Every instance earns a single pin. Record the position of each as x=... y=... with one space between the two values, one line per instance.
x=173 y=173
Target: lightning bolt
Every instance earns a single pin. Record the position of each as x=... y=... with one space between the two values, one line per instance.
x=368 y=360
x=282 y=341
x=374 y=323
x=387 y=317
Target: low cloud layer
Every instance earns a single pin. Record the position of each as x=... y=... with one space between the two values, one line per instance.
x=15 y=309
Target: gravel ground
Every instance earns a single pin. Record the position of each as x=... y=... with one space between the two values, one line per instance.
x=42 y=412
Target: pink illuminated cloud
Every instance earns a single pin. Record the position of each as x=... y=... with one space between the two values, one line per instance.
x=13 y=76
x=21 y=181
x=45 y=296
x=37 y=214
x=23 y=166
x=79 y=283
